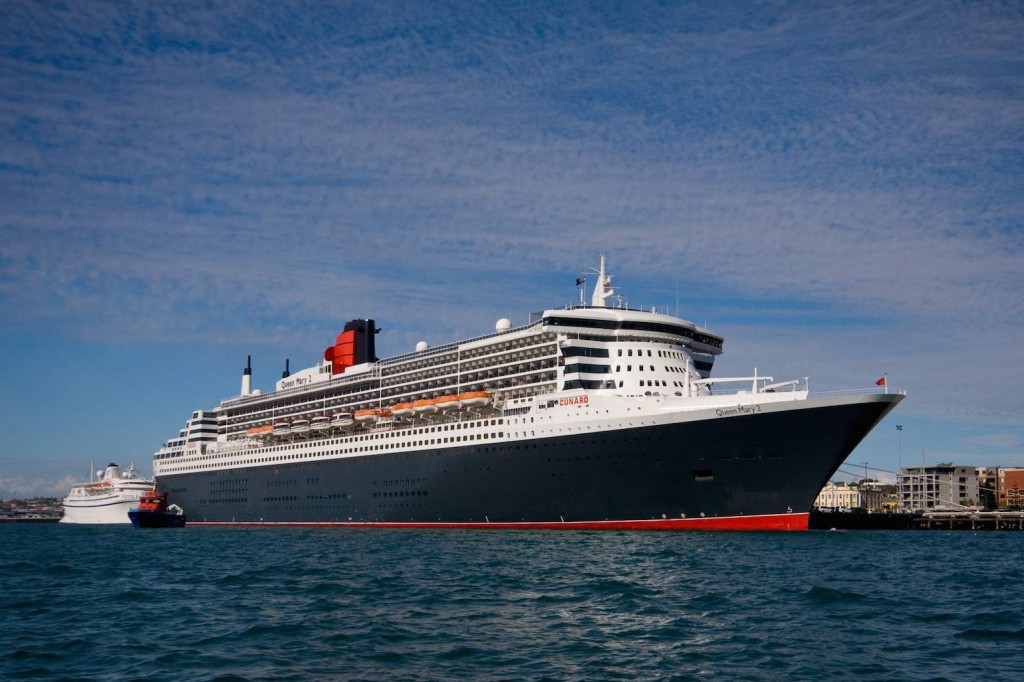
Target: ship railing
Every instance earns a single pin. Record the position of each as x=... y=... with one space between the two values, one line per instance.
x=795 y=388
x=873 y=390
x=627 y=308
x=758 y=384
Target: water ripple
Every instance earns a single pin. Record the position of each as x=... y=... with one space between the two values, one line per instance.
x=298 y=604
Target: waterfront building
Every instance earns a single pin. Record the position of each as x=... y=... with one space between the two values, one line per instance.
x=988 y=478
x=943 y=486
x=878 y=496
x=849 y=496
x=1010 y=487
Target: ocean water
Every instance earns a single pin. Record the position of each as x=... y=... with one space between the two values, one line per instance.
x=102 y=603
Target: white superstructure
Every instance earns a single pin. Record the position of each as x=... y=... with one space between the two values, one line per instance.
x=108 y=499
x=629 y=362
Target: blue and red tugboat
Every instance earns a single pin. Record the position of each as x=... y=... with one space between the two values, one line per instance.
x=154 y=512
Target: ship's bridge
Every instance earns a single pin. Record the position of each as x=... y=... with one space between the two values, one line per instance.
x=627 y=324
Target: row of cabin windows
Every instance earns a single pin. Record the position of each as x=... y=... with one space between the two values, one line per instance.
x=452 y=371
x=608 y=383
x=640 y=368
x=431 y=429
x=365 y=448
x=579 y=351
x=583 y=351
x=399 y=482
x=587 y=383
x=587 y=369
x=375 y=436
x=227 y=482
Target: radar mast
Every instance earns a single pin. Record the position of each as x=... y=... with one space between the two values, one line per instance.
x=603 y=288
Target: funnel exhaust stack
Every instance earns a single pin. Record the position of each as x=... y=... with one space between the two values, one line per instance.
x=247 y=377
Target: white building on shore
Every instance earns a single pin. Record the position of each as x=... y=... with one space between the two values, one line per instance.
x=943 y=486
x=849 y=496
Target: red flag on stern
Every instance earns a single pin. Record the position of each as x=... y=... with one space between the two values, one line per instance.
x=880 y=382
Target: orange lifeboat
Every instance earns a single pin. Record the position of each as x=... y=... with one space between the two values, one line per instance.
x=475 y=398
x=367 y=415
x=425 y=406
x=449 y=402
x=403 y=410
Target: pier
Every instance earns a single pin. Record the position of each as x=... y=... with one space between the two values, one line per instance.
x=931 y=520
x=967 y=520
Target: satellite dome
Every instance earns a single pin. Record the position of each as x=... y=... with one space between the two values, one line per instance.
x=421 y=346
x=503 y=325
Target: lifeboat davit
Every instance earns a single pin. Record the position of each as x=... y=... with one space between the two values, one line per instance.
x=425 y=406
x=300 y=425
x=321 y=422
x=475 y=398
x=342 y=420
x=449 y=402
x=403 y=410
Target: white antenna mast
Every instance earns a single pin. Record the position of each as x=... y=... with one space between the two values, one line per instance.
x=603 y=288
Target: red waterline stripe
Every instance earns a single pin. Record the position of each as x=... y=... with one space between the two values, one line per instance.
x=795 y=521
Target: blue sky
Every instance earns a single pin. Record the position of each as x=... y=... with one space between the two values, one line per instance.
x=838 y=188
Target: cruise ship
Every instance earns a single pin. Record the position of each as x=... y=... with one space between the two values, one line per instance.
x=108 y=499
x=590 y=416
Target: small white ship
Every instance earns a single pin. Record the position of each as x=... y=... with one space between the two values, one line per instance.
x=108 y=499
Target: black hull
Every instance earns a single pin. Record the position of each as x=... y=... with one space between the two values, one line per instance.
x=769 y=463
x=142 y=518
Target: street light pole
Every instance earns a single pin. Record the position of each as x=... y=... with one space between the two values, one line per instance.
x=899 y=476
x=899 y=433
